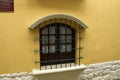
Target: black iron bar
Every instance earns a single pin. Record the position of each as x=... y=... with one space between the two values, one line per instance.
x=72 y=43
x=59 y=40
x=39 y=45
x=49 y=41
x=37 y=50
x=79 y=42
x=62 y=39
x=45 y=48
x=62 y=49
x=37 y=62
x=56 y=60
x=75 y=43
x=66 y=42
x=55 y=41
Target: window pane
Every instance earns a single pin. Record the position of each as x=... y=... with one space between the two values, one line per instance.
x=69 y=39
x=45 y=31
x=44 y=49
x=44 y=39
x=51 y=30
x=69 y=47
x=62 y=48
x=52 y=48
x=69 y=31
x=52 y=39
x=62 y=30
x=62 y=39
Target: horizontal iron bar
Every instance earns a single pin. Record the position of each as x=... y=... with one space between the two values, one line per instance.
x=56 y=60
x=62 y=39
x=37 y=61
x=54 y=34
x=57 y=49
x=36 y=39
x=80 y=57
x=36 y=50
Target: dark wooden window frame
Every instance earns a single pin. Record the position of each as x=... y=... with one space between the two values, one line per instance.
x=57 y=57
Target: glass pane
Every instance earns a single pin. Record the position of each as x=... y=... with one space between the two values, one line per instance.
x=62 y=30
x=52 y=39
x=44 y=49
x=52 y=49
x=69 y=39
x=62 y=39
x=62 y=48
x=44 y=39
x=45 y=31
x=51 y=30
x=69 y=47
x=69 y=31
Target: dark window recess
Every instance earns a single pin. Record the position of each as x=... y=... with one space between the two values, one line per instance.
x=57 y=44
x=6 y=5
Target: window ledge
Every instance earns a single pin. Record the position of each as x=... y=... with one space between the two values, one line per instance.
x=38 y=72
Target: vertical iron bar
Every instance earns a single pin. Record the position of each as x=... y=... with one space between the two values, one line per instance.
x=71 y=45
x=79 y=42
x=65 y=42
x=49 y=43
x=60 y=43
x=55 y=42
x=45 y=50
x=75 y=45
x=39 y=45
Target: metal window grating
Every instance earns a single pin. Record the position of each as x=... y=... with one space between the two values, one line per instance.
x=76 y=39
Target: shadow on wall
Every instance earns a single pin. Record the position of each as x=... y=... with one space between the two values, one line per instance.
x=58 y=4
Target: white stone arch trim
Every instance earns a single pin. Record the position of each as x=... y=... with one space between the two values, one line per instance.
x=52 y=16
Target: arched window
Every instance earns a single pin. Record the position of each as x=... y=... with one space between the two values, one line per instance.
x=57 y=44
x=59 y=39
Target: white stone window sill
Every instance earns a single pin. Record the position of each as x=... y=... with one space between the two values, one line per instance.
x=38 y=72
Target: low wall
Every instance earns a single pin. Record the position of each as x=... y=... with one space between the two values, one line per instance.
x=17 y=76
x=99 y=71
x=102 y=71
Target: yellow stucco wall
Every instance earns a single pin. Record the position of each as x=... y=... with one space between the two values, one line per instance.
x=101 y=40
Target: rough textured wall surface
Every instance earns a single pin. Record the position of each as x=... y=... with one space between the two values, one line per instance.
x=17 y=76
x=100 y=71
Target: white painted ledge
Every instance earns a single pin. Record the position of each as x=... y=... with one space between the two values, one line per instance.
x=38 y=72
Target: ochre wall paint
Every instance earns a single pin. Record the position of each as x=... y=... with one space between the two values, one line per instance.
x=101 y=40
